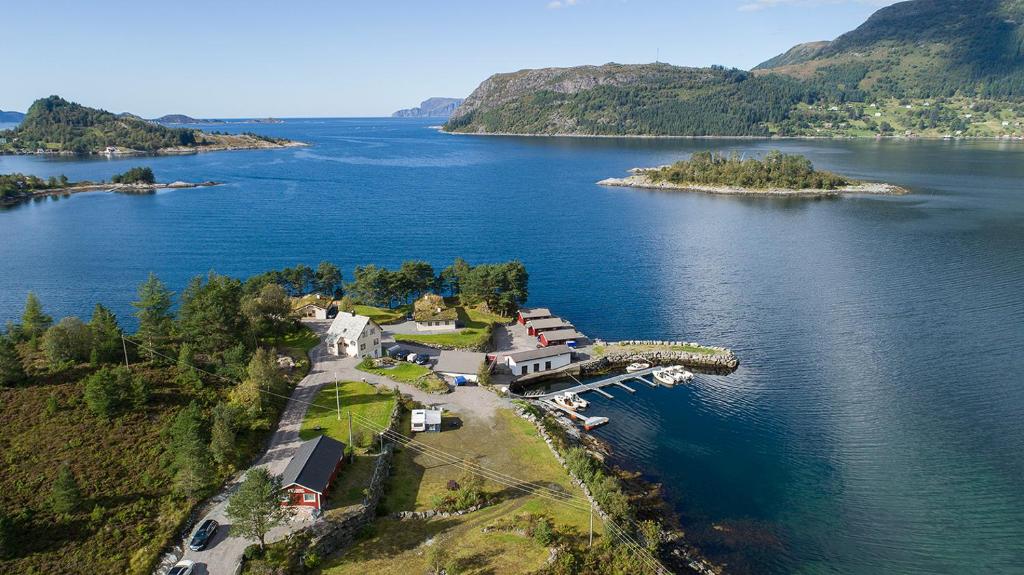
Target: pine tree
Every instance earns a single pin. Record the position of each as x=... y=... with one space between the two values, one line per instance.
x=154 y=313
x=106 y=335
x=256 y=508
x=261 y=377
x=223 y=435
x=33 y=321
x=65 y=496
x=186 y=376
x=191 y=457
x=12 y=371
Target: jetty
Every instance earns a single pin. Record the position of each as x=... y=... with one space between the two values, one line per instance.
x=597 y=386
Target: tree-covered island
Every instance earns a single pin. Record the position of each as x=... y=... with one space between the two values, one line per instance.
x=17 y=188
x=775 y=174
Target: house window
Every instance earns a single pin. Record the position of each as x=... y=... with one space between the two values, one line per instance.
x=308 y=497
x=525 y=370
x=375 y=341
x=547 y=365
x=362 y=346
x=536 y=367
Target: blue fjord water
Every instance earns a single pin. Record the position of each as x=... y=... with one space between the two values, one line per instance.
x=875 y=423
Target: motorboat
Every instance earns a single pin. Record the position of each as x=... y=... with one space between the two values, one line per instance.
x=637 y=366
x=672 y=375
x=571 y=401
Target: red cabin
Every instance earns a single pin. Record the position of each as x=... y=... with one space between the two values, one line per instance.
x=311 y=471
x=526 y=314
x=559 y=337
x=536 y=326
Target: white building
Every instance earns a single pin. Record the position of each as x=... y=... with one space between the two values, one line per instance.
x=354 y=336
x=431 y=314
x=538 y=360
x=426 y=420
x=313 y=306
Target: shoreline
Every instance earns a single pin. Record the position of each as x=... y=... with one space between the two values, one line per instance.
x=767 y=138
x=106 y=187
x=172 y=151
x=642 y=181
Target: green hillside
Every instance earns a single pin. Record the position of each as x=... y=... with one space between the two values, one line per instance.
x=54 y=124
x=922 y=68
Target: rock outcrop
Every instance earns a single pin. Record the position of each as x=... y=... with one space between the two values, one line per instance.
x=431 y=108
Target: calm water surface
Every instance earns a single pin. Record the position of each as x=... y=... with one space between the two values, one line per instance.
x=874 y=425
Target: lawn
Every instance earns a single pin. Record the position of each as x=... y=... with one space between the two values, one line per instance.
x=506 y=444
x=297 y=345
x=474 y=334
x=411 y=373
x=383 y=316
x=361 y=399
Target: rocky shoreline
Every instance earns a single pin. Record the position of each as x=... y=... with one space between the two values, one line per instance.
x=638 y=179
x=105 y=187
x=658 y=352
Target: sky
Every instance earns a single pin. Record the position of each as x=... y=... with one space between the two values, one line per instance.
x=296 y=58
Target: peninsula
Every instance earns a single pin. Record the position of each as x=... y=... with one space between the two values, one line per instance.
x=777 y=174
x=56 y=126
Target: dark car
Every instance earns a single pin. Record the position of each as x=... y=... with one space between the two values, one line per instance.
x=201 y=538
x=396 y=352
x=422 y=359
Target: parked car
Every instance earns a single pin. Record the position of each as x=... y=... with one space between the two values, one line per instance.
x=183 y=567
x=421 y=359
x=202 y=537
x=411 y=358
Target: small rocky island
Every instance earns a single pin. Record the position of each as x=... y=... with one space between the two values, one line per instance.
x=18 y=188
x=777 y=174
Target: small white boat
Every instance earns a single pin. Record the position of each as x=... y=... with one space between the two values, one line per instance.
x=637 y=366
x=577 y=401
x=571 y=401
x=672 y=375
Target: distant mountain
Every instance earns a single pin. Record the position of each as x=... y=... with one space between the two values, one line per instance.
x=922 y=49
x=928 y=68
x=183 y=119
x=56 y=125
x=11 y=117
x=431 y=108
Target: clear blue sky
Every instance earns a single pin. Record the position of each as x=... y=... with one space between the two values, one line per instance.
x=228 y=58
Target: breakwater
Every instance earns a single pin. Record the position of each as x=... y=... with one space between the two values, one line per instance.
x=620 y=354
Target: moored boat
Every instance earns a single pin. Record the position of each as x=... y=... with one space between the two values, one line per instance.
x=672 y=375
x=637 y=366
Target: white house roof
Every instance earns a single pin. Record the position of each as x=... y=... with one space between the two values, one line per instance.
x=539 y=353
x=347 y=326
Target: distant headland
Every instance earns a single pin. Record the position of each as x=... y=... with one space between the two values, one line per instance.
x=431 y=108
x=56 y=126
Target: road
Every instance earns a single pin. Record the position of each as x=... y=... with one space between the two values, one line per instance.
x=224 y=553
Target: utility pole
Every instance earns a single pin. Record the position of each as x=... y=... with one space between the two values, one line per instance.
x=124 y=346
x=350 y=429
x=337 y=399
x=591 y=544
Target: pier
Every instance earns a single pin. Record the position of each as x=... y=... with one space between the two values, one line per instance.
x=597 y=386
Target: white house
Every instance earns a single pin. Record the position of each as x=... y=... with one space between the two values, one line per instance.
x=314 y=306
x=539 y=360
x=354 y=336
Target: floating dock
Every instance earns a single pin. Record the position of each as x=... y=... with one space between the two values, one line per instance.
x=588 y=422
x=616 y=380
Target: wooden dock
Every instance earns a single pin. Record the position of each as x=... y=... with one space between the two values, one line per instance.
x=597 y=386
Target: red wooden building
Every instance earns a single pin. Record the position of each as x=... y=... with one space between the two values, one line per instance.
x=560 y=336
x=527 y=313
x=311 y=471
x=537 y=326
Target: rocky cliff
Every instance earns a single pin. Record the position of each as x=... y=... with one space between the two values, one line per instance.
x=431 y=108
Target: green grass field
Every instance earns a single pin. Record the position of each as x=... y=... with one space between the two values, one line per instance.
x=361 y=399
x=474 y=333
x=506 y=444
x=406 y=372
x=383 y=316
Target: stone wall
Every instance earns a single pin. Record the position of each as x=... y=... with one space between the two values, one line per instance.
x=723 y=360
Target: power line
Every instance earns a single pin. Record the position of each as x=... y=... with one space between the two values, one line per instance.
x=573 y=501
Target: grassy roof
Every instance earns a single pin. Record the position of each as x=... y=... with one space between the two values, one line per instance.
x=431 y=307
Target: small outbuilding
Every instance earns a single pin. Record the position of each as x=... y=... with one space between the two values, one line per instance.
x=313 y=306
x=539 y=360
x=426 y=420
x=464 y=364
x=560 y=337
x=431 y=314
x=536 y=326
x=311 y=471
x=530 y=313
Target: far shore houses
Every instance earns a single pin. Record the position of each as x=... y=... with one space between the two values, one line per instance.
x=354 y=336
